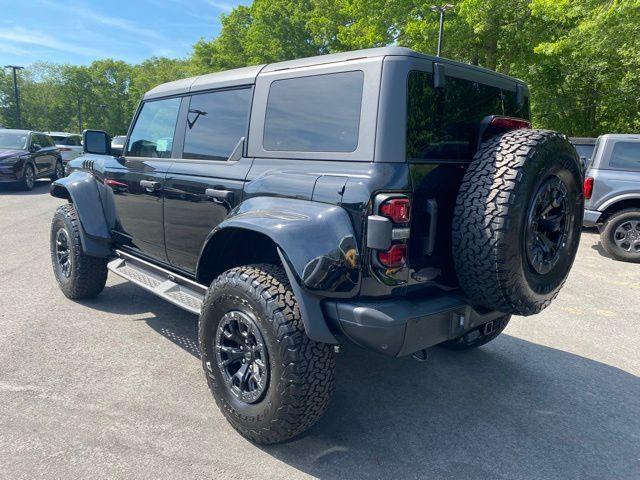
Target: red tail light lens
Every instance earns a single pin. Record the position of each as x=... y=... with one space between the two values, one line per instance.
x=398 y=210
x=395 y=257
x=64 y=149
x=509 y=123
x=588 y=187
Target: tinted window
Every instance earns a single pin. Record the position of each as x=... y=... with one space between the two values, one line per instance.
x=625 y=156
x=443 y=123
x=43 y=140
x=152 y=135
x=314 y=114
x=215 y=124
x=59 y=140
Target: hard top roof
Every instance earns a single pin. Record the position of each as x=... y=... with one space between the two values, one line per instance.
x=247 y=75
x=620 y=136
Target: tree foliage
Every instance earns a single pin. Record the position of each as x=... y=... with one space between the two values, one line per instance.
x=581 y=58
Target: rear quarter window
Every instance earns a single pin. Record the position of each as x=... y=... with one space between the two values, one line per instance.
x=318 y=113
x=625 y=156
x=443 y=123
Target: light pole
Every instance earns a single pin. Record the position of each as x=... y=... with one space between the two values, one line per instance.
x=441 y=9
x=15 y=90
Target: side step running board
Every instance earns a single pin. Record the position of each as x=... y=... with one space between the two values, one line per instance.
x=174 y=288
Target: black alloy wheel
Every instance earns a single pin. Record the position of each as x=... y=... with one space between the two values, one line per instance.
x=29 y=178
x=547 y=225
x=242 y=356
x=59 y=171
x=63 y=251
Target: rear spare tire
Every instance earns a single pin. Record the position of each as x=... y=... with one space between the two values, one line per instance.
x=517 y=220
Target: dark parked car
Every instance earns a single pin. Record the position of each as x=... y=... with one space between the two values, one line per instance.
x=26 y=156
x=382 y=197
x=612 y=190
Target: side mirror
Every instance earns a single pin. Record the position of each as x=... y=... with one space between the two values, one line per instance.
x=96 y=141
x=35 y=147
x=116 y=151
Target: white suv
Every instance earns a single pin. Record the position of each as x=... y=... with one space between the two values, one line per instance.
x=70 y=144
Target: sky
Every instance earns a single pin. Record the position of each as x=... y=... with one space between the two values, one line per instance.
x=79 y=32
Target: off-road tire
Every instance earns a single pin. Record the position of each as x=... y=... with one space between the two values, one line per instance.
x=476 y=337
x=607 y=234
x=301 y=371
x=28 y=181
x=88 y=275
x=493 y=215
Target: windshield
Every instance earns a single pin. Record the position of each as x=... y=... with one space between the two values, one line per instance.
x=11 y=140
x=58 y=138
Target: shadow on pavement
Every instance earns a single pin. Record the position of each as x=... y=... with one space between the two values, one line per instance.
x=512 y=409
x=40 y=187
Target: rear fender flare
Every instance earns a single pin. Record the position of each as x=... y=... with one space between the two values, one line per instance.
x=84 y=191
x=316 y=245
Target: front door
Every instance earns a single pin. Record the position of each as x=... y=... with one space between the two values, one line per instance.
x=45 y=156
x=138 y=186
x=205 y=183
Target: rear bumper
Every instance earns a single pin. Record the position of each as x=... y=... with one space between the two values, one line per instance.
x=397 y=327
x=591 y=218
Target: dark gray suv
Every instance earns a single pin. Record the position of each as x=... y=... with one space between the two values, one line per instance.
x=612 y=193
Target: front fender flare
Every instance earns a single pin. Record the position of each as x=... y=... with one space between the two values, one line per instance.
x=83 y=190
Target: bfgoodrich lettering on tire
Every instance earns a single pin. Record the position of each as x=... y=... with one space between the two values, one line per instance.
x=517 y=221
x=268 y=378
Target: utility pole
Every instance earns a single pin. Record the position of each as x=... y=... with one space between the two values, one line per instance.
x=441 y=9
x=15 y=91
x=79 y=114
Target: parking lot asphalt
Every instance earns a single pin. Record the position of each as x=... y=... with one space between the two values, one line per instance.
x=113 y=387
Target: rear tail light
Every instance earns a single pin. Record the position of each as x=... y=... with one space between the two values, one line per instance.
x=588 y=187
x=398 y=210
x=64 y=149
x=508 y=123
x=388 y=229
x=395 y=257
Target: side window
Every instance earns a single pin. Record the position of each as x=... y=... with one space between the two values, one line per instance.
x=625 y=156
x=215 y=123
x=320 y=113
x=42 y=140
x=152 y=135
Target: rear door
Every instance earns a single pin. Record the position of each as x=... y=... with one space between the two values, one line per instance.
x=138 y=187
x=206 y=181
x=443 y=119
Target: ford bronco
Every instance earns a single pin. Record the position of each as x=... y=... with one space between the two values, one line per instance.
x=381 y=197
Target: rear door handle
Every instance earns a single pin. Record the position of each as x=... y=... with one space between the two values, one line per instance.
x=149 y=185
x=219 y=196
